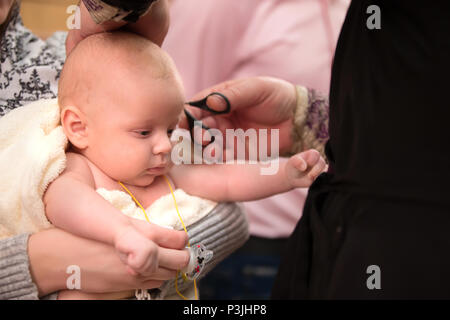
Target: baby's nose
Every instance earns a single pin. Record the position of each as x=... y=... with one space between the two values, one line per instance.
x=163 y=146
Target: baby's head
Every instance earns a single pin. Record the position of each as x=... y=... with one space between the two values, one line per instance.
x=120 y=97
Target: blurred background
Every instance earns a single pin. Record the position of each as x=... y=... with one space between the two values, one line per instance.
x=44 y=17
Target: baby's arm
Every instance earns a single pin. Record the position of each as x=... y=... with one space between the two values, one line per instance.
x=244 y=182
x=80 y=295
x=72 y=204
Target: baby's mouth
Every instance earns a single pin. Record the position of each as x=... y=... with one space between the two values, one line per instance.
x=158 y=169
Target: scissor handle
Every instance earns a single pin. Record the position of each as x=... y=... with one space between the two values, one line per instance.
x=191 y=119
x=202 y=103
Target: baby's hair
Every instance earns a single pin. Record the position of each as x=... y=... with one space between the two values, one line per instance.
x=116 y=50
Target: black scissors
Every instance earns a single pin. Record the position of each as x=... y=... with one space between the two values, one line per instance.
x=202 y=105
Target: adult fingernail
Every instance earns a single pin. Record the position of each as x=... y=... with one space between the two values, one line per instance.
x=216 y=102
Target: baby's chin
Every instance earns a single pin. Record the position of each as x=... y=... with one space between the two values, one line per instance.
x=142 y=181
x=146 y=178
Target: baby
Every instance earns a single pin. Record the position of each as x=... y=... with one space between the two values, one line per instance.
x=121 y=98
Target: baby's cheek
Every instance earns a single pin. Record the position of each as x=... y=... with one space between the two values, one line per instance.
x=127 y=164
x=170 y=165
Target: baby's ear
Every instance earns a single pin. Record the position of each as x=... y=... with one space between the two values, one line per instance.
x=73 y=122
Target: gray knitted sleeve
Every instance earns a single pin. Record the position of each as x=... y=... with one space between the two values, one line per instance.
x=15 y=277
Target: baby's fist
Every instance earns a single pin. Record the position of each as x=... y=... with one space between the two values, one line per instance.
x=138 y=253
x=303 y=168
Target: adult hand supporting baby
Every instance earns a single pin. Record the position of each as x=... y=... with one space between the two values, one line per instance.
x=52 y=251
x=259 y=103
x=154 y=25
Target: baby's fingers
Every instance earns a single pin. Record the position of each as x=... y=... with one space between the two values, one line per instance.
x=299 y=162
x=131 y=271
x=144 y=261
x=312 y=157
x=317 y=169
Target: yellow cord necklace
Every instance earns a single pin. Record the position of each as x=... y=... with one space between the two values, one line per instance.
x=184 y=227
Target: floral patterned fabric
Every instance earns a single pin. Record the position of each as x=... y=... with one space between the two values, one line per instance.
x=29 y=66
x=317 y=115
x=310 y=121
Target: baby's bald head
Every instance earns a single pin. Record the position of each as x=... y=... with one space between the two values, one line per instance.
x=106 y=58
x=120 y=97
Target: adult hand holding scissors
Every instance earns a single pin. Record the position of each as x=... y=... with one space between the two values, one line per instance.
x=258 y=103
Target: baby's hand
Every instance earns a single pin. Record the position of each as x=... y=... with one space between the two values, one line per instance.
x=303 y=168
x=138 y=253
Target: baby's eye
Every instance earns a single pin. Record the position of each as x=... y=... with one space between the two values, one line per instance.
x=144 y=133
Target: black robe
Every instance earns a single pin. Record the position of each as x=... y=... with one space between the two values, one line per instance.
x=385 y=201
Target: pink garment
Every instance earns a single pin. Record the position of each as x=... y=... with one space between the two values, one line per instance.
x=216 y=40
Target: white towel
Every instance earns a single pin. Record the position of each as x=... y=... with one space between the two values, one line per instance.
x=32 y=145
x=162 y=212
